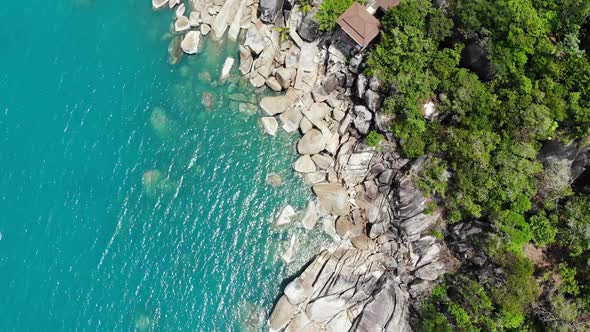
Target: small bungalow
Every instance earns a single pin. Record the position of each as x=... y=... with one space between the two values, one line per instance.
x=380 y=7
x=358 y=24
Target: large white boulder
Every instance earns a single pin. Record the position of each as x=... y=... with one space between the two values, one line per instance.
x=332 y=198
x=182 y=24
x=190 y=42
x=227 y=66
x=310 y=215
x=312 y=142
x=223 y=18
x=304 y=164
x=275 y=104
x=287 y=213
x=158 y=4
x=246 y=60
x=290 y=119
x=270 y=125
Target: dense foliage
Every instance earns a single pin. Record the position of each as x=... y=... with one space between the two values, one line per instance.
x=329 y=12
x=530 y=84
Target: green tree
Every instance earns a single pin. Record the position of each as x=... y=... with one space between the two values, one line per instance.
x=329 y=12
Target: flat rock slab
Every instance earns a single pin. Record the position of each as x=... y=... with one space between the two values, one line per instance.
x=190 y=42
x=333 y=198
x=270 y=125
x=276 y=104
x=287 y=213
x=227 y=66
x=182 y=24
x=304 y=164
x=157 y=4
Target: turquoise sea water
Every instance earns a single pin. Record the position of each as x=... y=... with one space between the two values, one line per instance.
x=90 y=241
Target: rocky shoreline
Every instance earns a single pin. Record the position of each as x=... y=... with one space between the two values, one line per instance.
x=383 y=255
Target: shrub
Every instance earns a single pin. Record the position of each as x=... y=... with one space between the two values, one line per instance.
x=374 y=138
x=568 y=278
x=329 y=12
x=543 y=229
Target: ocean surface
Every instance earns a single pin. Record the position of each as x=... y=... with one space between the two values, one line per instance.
x=125 y=203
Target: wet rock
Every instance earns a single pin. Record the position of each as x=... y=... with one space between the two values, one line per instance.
x=310 y=216
x=290 y=252
x=285 y=217
x=246 y=60
x=181 y=24
x=276 y=104
x=312 y=142
x=270 y=125
x=304 y=164
x=174 y=50
x=204 y=76
x=173 y=3
x=333 y=198
x=180 y=10
x=362 y=120
x=227 y=66
x=158 y=4
x=205 y=29
x=274 y=180
x=190 y=42
x=291 y=119
x=207 y=99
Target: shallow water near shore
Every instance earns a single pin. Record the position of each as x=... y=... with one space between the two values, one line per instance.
x=127 y=204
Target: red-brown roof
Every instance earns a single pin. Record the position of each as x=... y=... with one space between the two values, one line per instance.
x=386 y=4
x=359 y=24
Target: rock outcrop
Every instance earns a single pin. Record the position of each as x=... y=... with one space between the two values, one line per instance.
x=190 y=42
x=269 y=9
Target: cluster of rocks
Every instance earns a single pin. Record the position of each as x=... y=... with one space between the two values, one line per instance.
x=202 y=17
x=383 y=254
